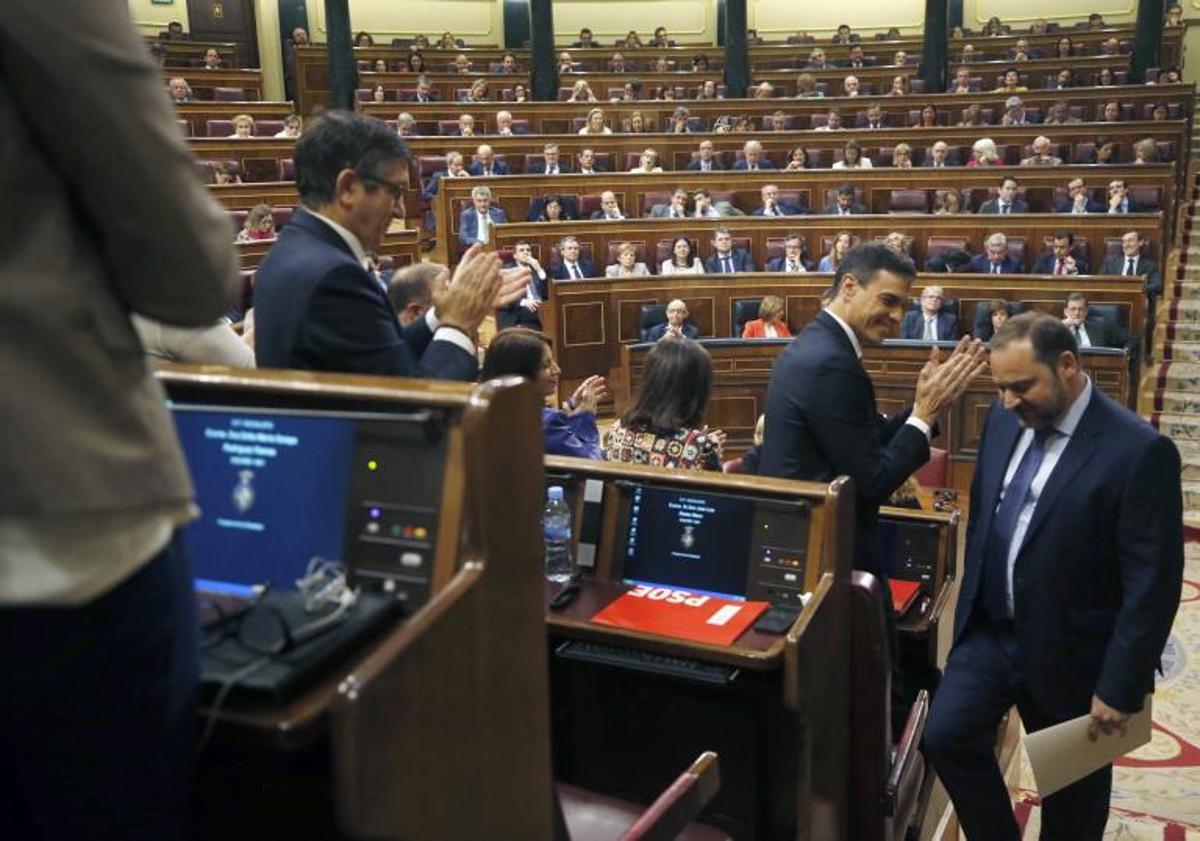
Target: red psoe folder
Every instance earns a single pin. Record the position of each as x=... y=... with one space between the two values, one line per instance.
x=681 y=614
x=904 y=593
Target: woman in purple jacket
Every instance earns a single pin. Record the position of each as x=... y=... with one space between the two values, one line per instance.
x=570 y=431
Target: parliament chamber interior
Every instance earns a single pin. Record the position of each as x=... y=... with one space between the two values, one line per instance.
x=484 y=530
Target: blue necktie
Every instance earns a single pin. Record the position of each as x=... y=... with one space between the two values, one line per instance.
x=1004 y=522
x=728 y=265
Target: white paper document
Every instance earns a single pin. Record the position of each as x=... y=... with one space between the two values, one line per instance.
x=1062 y=754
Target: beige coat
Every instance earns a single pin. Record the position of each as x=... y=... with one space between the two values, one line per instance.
x=101 y=214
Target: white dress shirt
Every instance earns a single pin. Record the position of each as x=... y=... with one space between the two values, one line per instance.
x=1053 y=452
x=849 y=331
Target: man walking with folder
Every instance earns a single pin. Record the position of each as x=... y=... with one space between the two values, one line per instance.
x=1073 y=573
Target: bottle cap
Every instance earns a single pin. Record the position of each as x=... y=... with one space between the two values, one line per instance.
x=555 y=492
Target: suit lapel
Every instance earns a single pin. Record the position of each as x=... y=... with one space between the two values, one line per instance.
x=1078 y=452
x=1006 y=431
x=829 y=323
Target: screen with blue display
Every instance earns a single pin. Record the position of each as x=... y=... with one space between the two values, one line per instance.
x=688 y=540
x=271 y=488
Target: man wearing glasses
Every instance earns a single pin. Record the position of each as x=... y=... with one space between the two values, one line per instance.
x=317 y=306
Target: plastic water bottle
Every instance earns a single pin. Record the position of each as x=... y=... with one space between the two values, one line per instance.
x=556 y=527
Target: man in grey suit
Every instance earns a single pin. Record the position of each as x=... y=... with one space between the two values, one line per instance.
x=100 y=651
x=675 y=209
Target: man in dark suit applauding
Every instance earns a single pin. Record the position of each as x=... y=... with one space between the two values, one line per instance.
x=675 y=327
x=725 y=258
x=822 y=420
x=572 y=266
x=929 y=323
x=1073 y=573
x=1006 y=201
x=316 y=305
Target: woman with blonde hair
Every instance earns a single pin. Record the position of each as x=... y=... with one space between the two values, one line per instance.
x=1145 y=151
x=951 y=203
x=595 y=123
x=581 y=91
x=770 y=323
x=479 y=91
x=899 y=86
x=627 y=264
x=984 y=153
x=902 y=156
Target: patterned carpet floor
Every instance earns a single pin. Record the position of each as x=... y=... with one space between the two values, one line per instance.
x=1156 y=790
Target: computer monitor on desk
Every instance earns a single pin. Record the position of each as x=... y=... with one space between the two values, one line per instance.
x=727 y=545
x=278 y=487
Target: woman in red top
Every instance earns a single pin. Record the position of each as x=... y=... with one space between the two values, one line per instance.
x=770 y=323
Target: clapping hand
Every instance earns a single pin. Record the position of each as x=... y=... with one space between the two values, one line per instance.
x=586 y=398
x=940 y=383
x=478 y=287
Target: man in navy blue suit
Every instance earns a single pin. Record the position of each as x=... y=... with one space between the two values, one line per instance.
x=753 y=158
x=317 y=306
x=572 y=266
x=1073 y=573
x=772 y=206
x=1059 y=260
x=475 y=223
x=1078 y=200
x=725 y=258
x=822 y=420
x=551 y=163
x=485 y=162
x=675 y=327
x=929 y=323
x=995 y=259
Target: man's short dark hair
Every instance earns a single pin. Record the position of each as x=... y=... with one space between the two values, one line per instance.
x=1008 y=178
x=1063 y=233
x=1048 y=336
x=866 y=260
x=413 y=284
x=721 y=230
x=1075 y=297
x=702 y=191
x=342 y=140
x=845 y=189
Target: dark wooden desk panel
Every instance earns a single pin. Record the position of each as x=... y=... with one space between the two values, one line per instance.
x=201 y=80
x=590 y=322
x=742 y=369
x=180 y=54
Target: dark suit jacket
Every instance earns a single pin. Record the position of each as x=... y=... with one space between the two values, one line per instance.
x=316 y=308
x=498 y=168
x=468 y=223
x=913 y=326
x=993 y=206
x=559 y=270
x=660 y=330
x=1045 y=265
x=1092 y=206
x=694 y=165
x=741 y=262
x=763 y=163
x=1103 y=333
x=514 y=313
x=777 y=264
x=1146 y=268
x=539 y=168
x=1098 y=577
x=855 y=208
x=432 y=96
x=822 y=422
x=787 y=208
x=434 y=183
x=981 y=265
